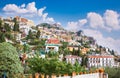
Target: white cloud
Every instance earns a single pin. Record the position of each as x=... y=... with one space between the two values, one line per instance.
x=40 y=11
x=44 y=16
x=104 y=41
x=22 y=6
x=109 y=21
x=95 y=20
x=59 y=23
x=28 y=10
x=50 y=20
x=72 y=26
x=31 y=8
x=82 y=22
x=76 y=25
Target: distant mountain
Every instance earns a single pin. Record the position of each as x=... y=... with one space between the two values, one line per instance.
x=55 y=25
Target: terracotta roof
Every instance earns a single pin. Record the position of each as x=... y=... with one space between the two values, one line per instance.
x=24 y=20
x=100 y=56
x=53 y=41
x=72 y=56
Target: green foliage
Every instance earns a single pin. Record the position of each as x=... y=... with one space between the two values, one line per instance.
x=77 y=67
x=45 y=25
x=39 y=43
x=51 y=66
x=66 y=51
x=7 y=27
x=2 y=37
x=16 y=25
x=84 y=60
x=64 y=45
x=9 y=60
x=53 y=54
x=26 y=48
x=113 y=72
x=38 y=35
x=8 y=35
x=0 y=23
x=30 y=35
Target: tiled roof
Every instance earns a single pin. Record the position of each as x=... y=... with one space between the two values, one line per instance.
x=100 y=56
x=24 y=20
x=53 y=41
x=72 y=56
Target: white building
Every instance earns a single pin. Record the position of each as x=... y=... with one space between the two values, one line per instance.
x=52 y=45
x=72 y=59
x=25 y=29
x=100 y=61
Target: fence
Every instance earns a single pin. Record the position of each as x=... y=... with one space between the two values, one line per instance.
x=92 y=75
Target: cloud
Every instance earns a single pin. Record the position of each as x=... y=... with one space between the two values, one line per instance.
x=12 y=8
x=28 y=10
x=40 y=11
x=109 y=21
x=104 y=41
x=22 y=6
x=82 y=22
x=95 y=20
x=72 y=26
x=31 y=8
x=50 y=20
x=76 y=25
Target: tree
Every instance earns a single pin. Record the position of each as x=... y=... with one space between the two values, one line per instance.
x=8 y=35
x=64 y=45
x=2 y=37
x=9 y=60
x=0 y=23
x=113 y=72
x=77 y=67
x=66 y=51
x=16 y=25
x=84 y=60
x=7 y=27
x=38 y=34
x=49 y=67
x=29 y=36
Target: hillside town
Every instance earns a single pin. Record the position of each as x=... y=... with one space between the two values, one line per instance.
x=43 y=44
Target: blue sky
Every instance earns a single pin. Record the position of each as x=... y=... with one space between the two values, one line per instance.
x=97 y=18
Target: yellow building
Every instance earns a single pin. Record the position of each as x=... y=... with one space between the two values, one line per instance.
x=84 y=50
x=70 y=48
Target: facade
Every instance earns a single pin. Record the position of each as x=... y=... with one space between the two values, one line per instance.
x=84 y=50
x=100 y=61
x=70 y=48
x=52 y=45
x=72 y=59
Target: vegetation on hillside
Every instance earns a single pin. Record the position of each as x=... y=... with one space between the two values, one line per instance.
x=9 y=60
x=113 y=72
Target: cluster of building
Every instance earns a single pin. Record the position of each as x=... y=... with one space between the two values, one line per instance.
x=24 y=26
x=56 y=34
x=93 y=60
